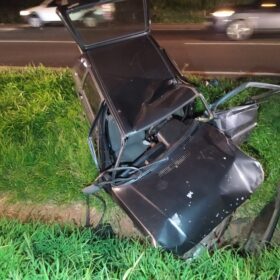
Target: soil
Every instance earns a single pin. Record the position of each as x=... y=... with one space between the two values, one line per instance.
x=66 y=214
x=121 y=224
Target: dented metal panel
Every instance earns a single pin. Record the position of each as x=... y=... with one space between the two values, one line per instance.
x=206 y=178
x=238 y=122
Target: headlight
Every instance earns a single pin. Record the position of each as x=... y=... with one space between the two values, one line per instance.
x=24 y=13
x=268 y=5
x=223 y=13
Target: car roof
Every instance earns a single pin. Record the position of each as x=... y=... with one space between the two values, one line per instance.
x=138 y=85
x=138 y=81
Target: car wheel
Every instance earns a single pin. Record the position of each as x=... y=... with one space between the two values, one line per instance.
x=35 y=21
x=239 y=30
x=90 y=22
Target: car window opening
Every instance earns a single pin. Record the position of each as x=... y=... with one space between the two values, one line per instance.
x=145 y=147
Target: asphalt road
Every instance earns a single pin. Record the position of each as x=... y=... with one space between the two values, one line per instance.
x=196 y=51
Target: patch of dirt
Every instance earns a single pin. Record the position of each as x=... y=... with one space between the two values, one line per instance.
x=121 y=224
x=66 y=214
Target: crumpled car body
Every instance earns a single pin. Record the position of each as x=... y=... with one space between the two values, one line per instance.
x=168 y=158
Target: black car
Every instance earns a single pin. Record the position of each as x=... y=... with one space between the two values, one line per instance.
x=168 y=158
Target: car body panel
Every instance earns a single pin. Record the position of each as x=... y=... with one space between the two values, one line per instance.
x=204 y=180
x=46 y=11
x=47 y=14
x=237 y=123
x=139 y=88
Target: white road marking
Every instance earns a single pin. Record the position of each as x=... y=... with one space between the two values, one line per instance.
x=6 y=29
x=176 y=29
x=186 y=43
x=233 y=43
x=231 y=73
x=37 y=41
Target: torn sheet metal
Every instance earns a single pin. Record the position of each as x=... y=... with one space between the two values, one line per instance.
x=237 y=123
x=180 y=202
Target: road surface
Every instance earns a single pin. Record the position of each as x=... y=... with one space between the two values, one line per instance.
x=195 y=51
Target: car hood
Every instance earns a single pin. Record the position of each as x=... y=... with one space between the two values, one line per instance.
x=205 y=179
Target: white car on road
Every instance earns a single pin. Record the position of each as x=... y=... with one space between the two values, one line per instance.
x=46 y=13
x=39 y=15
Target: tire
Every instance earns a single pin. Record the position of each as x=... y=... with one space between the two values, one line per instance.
x=239 y=30
x=89 y=21
x=35 y=21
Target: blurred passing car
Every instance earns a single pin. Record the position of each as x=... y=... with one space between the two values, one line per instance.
x=45 y=13
x=39 y=15
x=241 y=22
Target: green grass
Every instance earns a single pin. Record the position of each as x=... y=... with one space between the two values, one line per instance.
x=35 y=251
x=43 y=145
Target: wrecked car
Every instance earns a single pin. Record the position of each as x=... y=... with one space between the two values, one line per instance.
x=165 y=155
